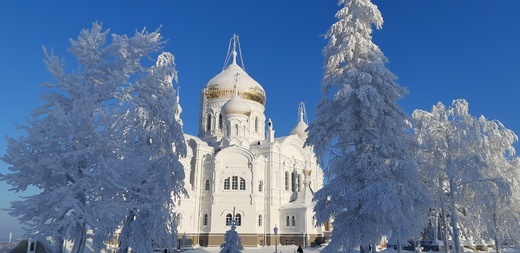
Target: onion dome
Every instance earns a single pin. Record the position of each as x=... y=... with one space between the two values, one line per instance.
x=221 y=86
x=236 y=105
x=300 y=128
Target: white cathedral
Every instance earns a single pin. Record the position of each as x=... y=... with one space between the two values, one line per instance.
x=237 y=170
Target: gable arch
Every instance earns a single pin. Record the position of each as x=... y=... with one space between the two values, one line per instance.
x=234 y=156
x=293 y=146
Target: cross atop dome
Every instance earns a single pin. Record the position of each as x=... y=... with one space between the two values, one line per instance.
x=234 y=53
x=235 y=86
x=234 y=49
x=302 y=113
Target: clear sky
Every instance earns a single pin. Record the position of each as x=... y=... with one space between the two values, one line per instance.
x=440 y=49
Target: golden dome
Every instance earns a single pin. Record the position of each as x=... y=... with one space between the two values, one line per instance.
x=222 y=85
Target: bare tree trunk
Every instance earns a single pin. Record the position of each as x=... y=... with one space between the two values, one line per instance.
x=445 y=234
x=443 y=221
x=454 y=217
x=59 y=244
x=125 y=234
x=498 y=243
x=81 y=239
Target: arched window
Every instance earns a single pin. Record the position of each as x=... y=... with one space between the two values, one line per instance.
x=220 y=121
x=242 y=184
x=238 y=219
x=236 y=129
x=226 y=184
x=260 y=220
x=261 y=186
x=299 y=183
x=229 y=217
x=179 y=219
x=256 y=124
x=208 y=122
x=206 y=185
x=288 y=221
x=293 y=182
x=205 y=220
x=234 y=182
x=286 y=180
x=293 y=221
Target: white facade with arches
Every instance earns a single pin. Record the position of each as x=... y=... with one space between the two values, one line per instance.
x=236 y=164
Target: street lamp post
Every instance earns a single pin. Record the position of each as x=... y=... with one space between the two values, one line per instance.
x=275 y=241
x=183 y=241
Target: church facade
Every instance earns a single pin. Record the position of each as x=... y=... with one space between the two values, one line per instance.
x=237 y=170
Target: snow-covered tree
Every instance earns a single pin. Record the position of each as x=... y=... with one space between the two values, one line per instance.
x=495 y=205
x=232 y=242
x=469 y=160
x=503 y=221
x=373 y=185
x=154 y=169
x=78 y=145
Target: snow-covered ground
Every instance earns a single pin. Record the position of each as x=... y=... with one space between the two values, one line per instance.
x=266 y=249
x=6 y=247
x=292 y=249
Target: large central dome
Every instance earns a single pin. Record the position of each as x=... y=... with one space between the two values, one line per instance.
x=222 y=85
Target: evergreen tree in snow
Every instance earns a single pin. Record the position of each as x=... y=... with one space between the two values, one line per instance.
x=79 y=144
x=156 y=139
x=471 y=162
x=232 y=242
x=373 y=185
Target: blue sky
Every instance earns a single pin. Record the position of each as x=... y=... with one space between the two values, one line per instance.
x=440 y=49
